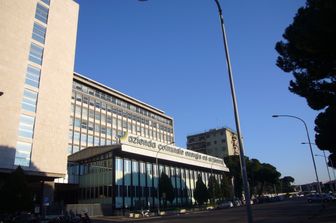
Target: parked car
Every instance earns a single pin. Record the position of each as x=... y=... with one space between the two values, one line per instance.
x=237 y=203
x=225 y=204
x=320 y=197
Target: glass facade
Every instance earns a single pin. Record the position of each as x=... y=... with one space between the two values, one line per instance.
x=95 y=179
x=135 y=182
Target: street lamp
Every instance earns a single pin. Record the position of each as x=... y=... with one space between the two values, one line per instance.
x=325 y=159
x=236 y=115
x=333 y=168
x=158 y=173
x=309 y=143
x=332 y=188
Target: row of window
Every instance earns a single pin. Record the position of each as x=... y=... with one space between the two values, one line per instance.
x=32 y=79
x=102 y=107
x=107 y=123
x=120 y=102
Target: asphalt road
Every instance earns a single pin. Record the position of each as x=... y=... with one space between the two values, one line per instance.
x=291 y=211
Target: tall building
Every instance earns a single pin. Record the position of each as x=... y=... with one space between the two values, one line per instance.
x=62 y=127
x=37 y=52
x=215 y=142
x=99 y=115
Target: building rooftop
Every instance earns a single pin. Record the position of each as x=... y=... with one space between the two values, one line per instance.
x=111 y=90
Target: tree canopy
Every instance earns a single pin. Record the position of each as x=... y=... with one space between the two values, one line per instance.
x=308 y=52
x=262 y=177
x=201 y=192
x=285 y=184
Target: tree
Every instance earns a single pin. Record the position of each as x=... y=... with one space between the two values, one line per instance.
x=15 y=193
x=308 y=52
x=201 y=193
x=166 y=189
x=267 y=176
x=285 y=184
x=214 y=190
x=225 y=188
x=233 y=163
x=325 y=129
x=332 y=160
x=253 y=168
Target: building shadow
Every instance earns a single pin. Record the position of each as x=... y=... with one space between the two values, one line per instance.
x=39 y=183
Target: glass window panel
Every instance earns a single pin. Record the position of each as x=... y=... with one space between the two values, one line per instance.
x=77 y=122
x=39 y=33
x=23 y=146
x=90 y=126
x=21 y=161
x=75 y=148
x=29 y=120
x=41 y=13
x=90 y=140
x=22 y=155
x=36 y=53
x=29 y=100
x=76 y=136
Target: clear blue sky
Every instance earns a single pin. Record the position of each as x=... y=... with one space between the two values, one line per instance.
x=169 y=54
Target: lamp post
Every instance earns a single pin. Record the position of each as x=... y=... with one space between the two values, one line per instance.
x=213 y=181
x=325 y=159
x=236 y=115
x=158 y=173
x=309 y=143
x=333 y=168
x=237 y=121
x=332 y=188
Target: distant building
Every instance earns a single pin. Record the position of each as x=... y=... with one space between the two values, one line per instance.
x=215 y=142
x=312 y=187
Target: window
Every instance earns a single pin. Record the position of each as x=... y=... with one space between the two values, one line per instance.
x=35 y=54
x=90 y=126
x=39 y=33
x=41 y=13
x=77 y=122
x=83 y=139
x=76 y=136
x=26 y=126
x=29 y=100
x=33 y=76
x=22 y=155
x=46 y=1
x=84 y=124
x=90 y=140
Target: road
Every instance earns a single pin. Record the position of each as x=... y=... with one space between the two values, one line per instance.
x=291 y=211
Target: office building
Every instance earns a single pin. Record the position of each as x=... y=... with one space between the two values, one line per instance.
x=37 y=52
x=125 y=175
x=215 y=142
x=99 y=115
x=49 y=113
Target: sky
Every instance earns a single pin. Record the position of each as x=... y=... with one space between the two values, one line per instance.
x=169 y=54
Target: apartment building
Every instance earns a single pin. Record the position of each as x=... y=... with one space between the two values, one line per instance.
x=215 y=142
